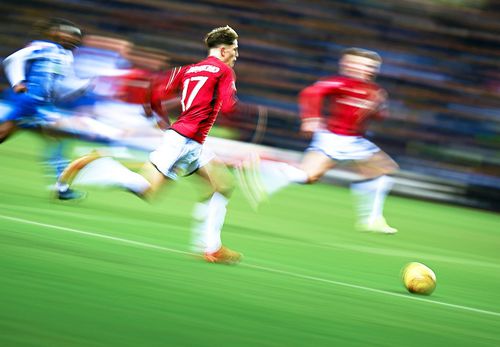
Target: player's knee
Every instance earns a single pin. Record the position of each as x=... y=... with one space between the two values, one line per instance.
x=226 y=188
x=147 y=194
x=6 y=129
x=391 y=169
x=312 y=178
x=313 y=175
x=4 y=137
x=313 y=172
x=395 y=167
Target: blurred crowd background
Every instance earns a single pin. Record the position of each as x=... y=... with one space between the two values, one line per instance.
x=441 y=67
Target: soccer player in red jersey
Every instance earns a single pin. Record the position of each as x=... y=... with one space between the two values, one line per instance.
x=206 y=88
x=353 y=100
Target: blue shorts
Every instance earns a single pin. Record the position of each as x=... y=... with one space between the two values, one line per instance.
x=23 y=109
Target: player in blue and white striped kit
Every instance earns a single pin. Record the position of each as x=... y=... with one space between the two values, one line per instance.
x=40 y=75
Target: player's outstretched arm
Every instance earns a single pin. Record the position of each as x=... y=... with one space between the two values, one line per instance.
x=15 y=67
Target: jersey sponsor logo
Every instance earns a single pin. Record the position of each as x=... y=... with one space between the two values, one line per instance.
x=200 y=68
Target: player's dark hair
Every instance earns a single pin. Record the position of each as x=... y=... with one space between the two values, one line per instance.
x=220 y=36
x=360 y=52
x=44 y=27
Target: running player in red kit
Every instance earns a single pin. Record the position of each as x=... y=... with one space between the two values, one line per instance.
x=206 y=88
x=353 y=100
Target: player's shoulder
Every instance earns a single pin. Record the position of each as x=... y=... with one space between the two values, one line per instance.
x=35 y=49
x=377 y=87
x=42 y=44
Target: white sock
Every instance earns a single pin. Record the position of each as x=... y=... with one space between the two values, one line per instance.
x=134 y=182
x=277 y=175
x=384 y=185
x=209 y=218
x=371 y=196
x=200 y=216
x=362 y=192
x=109 y=172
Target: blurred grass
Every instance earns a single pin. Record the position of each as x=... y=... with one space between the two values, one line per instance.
x=295 y=287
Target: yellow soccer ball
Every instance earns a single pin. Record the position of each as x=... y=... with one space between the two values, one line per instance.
x=418 y=278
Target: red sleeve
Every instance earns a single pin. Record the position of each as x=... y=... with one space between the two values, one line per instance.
x=165 y=87
x=382 y=110
x=227 y=91
x=311 y=98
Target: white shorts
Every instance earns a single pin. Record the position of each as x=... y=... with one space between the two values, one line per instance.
x=179 y=155
x=342 y=147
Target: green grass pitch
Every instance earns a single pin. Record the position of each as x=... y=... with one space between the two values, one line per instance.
x=114 y=271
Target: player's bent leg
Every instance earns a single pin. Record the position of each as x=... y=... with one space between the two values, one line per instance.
x=218 y=177
x=379 y=164
x=72 y=169
x=155 y=178
x=209 y=215
x=248 y=178
x=7 y=128
x=92 y=169
x=65 y=179
x=55 y=162
x=315 y=164
x=259 y=179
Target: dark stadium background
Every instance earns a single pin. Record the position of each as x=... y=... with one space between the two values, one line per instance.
x=441 y=68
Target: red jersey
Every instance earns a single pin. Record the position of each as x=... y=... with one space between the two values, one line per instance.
x=207 y=88
x=351 y=103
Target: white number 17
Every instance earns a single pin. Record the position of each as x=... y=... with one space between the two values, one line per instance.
x=200 y=81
